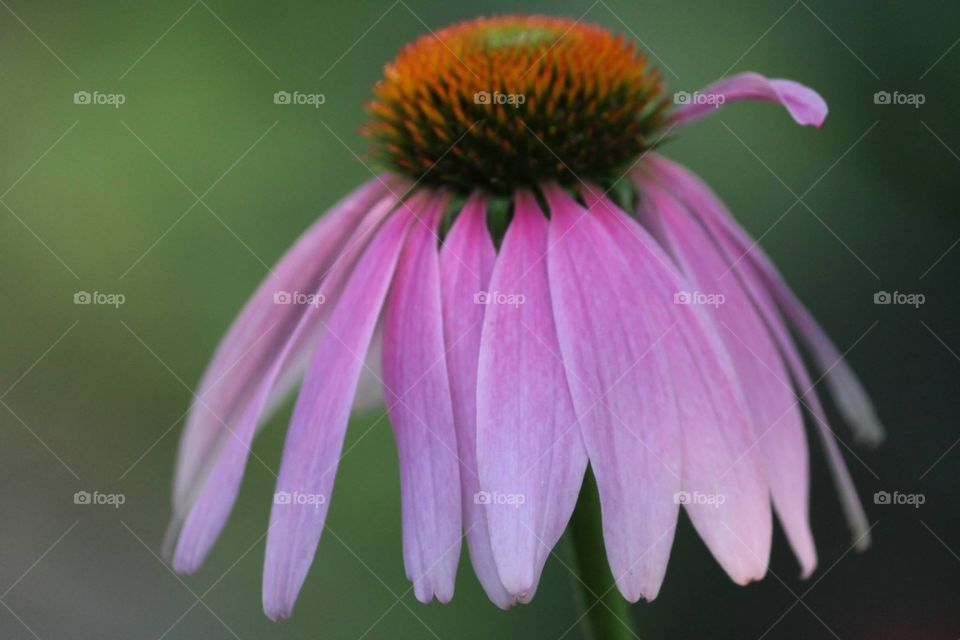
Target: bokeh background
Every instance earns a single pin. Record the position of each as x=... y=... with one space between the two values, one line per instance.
x=179 y=198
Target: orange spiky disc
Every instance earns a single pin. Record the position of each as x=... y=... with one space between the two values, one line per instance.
x=501 y=103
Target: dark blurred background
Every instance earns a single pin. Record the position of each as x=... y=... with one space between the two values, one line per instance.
x=105 y=199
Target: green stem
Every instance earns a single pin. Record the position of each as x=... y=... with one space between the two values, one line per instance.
x=608 y=615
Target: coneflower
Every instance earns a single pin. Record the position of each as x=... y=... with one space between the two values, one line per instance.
x=543 y=292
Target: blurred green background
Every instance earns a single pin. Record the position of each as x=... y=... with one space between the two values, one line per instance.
x=106 y=199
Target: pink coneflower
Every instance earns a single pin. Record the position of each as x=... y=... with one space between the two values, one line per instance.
x=534 y=289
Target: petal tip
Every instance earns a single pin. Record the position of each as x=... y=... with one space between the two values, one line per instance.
x=277 y=605
x=276 y=613
x=633 y=592
x=185 y=560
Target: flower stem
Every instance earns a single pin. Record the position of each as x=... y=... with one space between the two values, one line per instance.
x=607 y=615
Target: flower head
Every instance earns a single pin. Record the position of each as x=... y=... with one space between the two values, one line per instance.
x=520 y=323
x=506 y=102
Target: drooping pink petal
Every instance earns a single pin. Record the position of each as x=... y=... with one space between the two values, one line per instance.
x=621 y=383
x=804 y=104
x=417 y=393
x=258 y=334
x=849 y=500
x=847 y=391
x=466 y=263
x=722 y=484
x=705 y=210
x=530 y=455
x=777 y=422
x=315 y=438
x=369 y=396
x=216 y=491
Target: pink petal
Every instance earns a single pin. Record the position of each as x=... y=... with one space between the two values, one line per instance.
x=847 y=391
x=804 y=104
x=724 y=490
x=620 y=380
x=315 y=438
x=257 y=335
x=709 y=210
x=216 y=491
x=777 y=422
x=466 y=263
x=418 y=400
x=849 y=500
x=529 y=452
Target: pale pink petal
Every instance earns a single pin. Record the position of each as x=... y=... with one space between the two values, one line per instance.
x=315 y=439
x=704 y=206
x=849 y=500
x=216 y=491
x=369 y=396
x=418 y=400
x=777 y=421
x=847 y=391
x=257 y=335
x=620 y=379
x=723 y=487
x=803 y=103
x=529 y=451
x=466 y=263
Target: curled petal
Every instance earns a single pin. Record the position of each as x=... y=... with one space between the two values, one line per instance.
x=803 y=104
